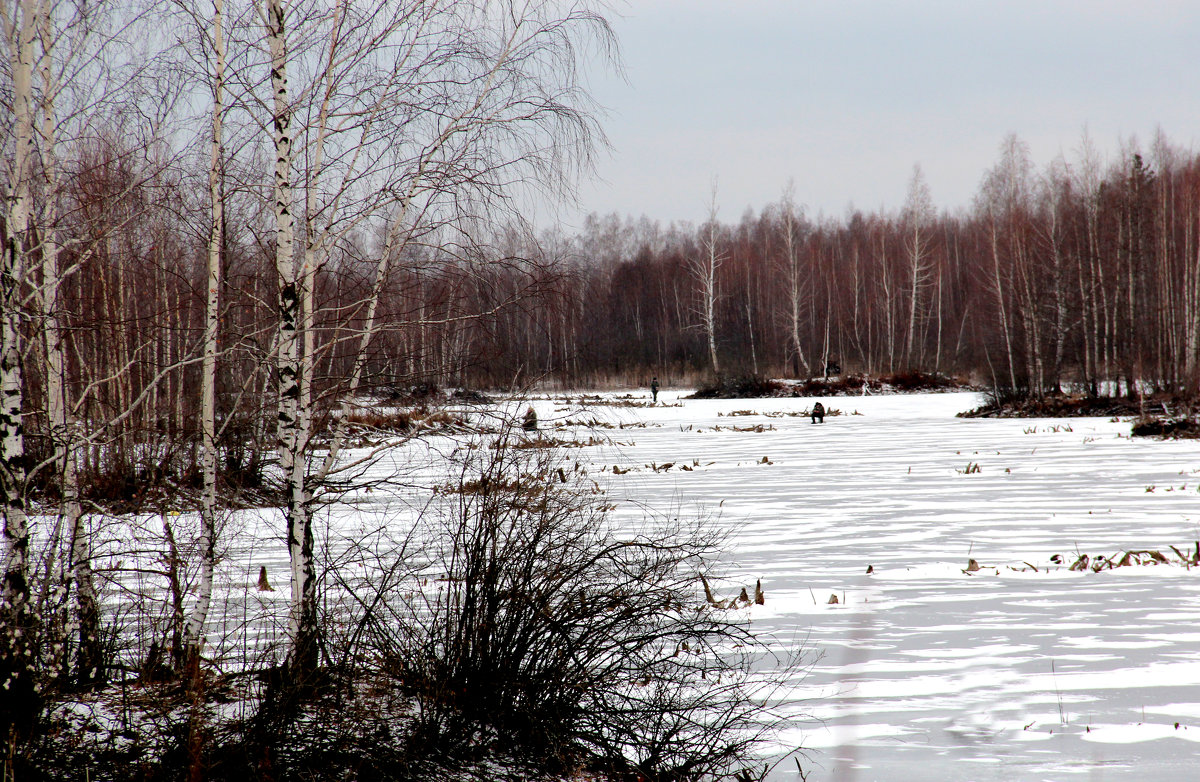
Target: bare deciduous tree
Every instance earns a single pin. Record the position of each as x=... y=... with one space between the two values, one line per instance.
x=918 y=214
x=796 y=276
x=418 y=120
x=208 y=369
x=704 y=267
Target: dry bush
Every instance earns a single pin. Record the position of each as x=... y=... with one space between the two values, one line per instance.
x=740 y=387
x=560 y=641
x=391 y=421
x=1166 y=428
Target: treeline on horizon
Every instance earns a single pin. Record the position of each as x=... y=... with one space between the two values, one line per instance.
x=1072 y=278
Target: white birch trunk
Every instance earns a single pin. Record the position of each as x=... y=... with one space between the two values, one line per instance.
x=916 y=270
x=885 y=279
x=290 y=375
x=1008 y=348
x=16 y=652
x=194 y=633
x=795 y=284
x=919 y=211
x=710 y=300
x=370 y=329
x=704 y=268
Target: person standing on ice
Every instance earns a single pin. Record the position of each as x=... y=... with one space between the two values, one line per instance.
x=654 y=390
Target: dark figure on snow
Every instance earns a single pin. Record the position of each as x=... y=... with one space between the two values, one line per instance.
x=530 y=422
x=818 y=413
x=654 y=390
x=833 y=368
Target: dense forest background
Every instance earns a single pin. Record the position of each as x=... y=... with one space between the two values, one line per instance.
x=1067 y=278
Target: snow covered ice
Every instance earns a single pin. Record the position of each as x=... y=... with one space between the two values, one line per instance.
x=925 y=671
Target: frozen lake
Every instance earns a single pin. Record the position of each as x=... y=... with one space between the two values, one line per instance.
x=927 y=672
x=921 y=671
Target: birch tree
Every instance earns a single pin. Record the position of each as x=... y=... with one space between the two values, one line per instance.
x=194 y=633
x=1004 y=194
x=794 y=274
x=294 y=421
x=417 y=121
x=17 y=638
x=704 y=267
x=63 y=429
x=917 y=215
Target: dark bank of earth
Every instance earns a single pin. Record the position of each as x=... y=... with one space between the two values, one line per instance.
x=1167 y=428
x=1159 y=415
x=1057 y=406
x=754 y=387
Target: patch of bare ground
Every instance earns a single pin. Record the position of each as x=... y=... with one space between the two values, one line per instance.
x=364 y=428
x=430 y=394
x=1055 y=406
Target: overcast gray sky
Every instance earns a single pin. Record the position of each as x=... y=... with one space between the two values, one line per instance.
x=845 y=96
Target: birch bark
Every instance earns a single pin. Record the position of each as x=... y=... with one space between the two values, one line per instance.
x=290 y=372
x=16 y=641
x=194 y=634
x=795 y=277
x=918 y=211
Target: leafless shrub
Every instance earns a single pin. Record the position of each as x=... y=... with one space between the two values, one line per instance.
x=555 y=638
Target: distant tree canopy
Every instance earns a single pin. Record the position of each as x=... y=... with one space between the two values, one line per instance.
x=1078 y=275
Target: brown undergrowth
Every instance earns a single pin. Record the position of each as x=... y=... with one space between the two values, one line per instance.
x=754 y=387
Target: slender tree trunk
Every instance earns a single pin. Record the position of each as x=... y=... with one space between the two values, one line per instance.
x=367 y=336
x=1192 y=318
x=710 y=297
x=17 y=623
x=289 y=370
x=916 y=273
x=705 y=270
x=750 y=324
x=1060 y=300
x=1002 y=308
x=937 y=353
x=795 y=278
x=194 y=636
x=885 y=278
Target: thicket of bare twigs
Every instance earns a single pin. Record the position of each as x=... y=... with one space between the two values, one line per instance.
x=577 y=646
x=755 y=386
